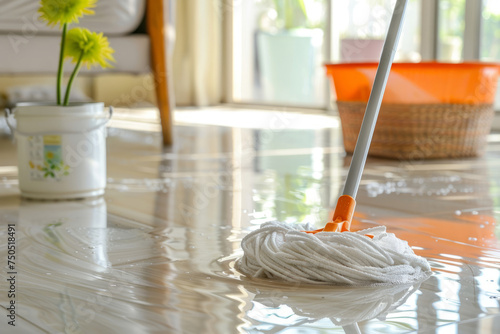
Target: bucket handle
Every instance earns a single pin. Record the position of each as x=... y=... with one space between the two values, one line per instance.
x=9 y=115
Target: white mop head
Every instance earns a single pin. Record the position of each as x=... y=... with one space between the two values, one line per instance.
x=282 y=251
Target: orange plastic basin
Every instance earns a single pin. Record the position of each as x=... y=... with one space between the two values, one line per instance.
x=418 y=83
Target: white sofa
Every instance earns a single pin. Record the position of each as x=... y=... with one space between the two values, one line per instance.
x=29 y=47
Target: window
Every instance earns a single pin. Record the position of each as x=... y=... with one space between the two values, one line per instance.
x=359 y=28
x=490 y=36
x=451 y=28
x=490 y=39
x=279 y=46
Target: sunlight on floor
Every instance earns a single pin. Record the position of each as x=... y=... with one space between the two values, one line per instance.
x=147 y=119
x=256 y=119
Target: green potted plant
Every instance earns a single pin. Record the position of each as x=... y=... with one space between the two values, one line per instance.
x=289 y=41
x=61 y=146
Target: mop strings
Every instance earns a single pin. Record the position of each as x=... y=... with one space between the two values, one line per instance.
x=281 y=251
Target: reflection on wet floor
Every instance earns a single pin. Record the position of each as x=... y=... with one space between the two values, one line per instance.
x=157 y=253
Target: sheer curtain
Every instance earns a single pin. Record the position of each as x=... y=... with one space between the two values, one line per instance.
x=197 y=52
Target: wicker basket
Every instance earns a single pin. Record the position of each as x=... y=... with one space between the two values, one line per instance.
x=429 y=110
x=421 y=131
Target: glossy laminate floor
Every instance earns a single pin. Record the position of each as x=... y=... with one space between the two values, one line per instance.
x=156 y=253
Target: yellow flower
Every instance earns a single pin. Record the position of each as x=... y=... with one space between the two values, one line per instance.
x=65 y=11
x=32 y=165
x=93 y=48
x=50 y=155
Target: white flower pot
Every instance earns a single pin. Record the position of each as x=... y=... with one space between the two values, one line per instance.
x=61 y=150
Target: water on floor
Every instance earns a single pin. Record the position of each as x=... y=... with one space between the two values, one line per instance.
x=156 y=254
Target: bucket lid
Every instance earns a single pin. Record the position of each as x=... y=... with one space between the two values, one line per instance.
x=78 y=110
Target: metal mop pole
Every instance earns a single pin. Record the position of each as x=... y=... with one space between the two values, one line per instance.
x=375 y=100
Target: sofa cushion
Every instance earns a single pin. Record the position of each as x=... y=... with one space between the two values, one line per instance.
x=39 y=54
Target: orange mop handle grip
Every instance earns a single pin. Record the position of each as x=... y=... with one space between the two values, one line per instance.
x=344 y=211
x=342 y=216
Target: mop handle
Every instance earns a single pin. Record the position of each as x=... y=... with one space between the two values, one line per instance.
x=375 y=100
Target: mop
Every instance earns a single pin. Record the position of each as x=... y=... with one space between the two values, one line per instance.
x=335 y=254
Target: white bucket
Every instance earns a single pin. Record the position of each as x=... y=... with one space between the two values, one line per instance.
x=61 y=149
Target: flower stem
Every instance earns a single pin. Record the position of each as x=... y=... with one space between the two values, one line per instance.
x=61 y=61
x=73 y=76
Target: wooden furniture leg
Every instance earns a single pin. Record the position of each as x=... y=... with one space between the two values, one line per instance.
x=157 y=30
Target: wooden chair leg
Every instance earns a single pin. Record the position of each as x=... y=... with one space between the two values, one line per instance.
x=157 y=30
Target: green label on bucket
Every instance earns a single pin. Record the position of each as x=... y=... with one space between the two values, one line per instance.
x=46 y=161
